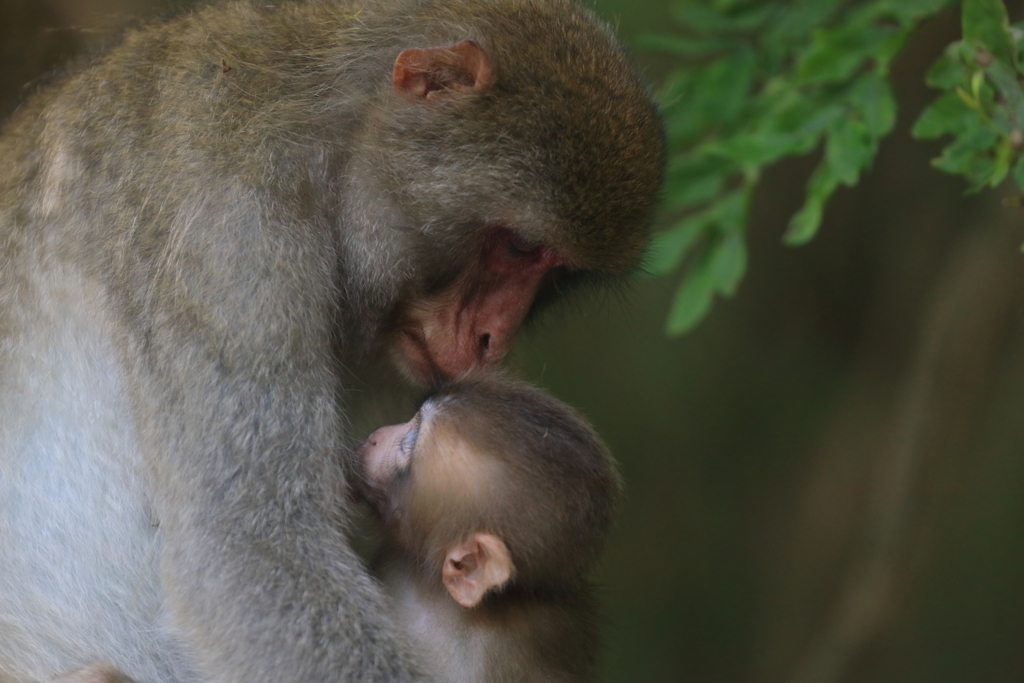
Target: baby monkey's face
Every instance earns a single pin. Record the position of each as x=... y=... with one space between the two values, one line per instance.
x=387 y=453
x=385 y=459
x=430 y=486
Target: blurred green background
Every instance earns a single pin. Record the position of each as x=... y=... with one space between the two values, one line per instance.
x=826 y=478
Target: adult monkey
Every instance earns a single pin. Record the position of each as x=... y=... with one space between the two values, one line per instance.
x=207 y=236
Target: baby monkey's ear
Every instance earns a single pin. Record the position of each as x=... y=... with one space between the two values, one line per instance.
x=475 y=566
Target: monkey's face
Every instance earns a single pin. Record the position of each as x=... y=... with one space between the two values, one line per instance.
x=387 y=452
x=426 y=481
x=385 y=458
x=505 y=169
x=473 y=319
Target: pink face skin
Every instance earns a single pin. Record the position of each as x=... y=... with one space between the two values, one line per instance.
x=388 y=450
x=385 y=455
x=474 y=321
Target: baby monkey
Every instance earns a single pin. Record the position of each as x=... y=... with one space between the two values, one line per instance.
x=495 y=499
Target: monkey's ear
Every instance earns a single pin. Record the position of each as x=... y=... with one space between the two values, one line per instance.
x=475 y=566
x=429 y=72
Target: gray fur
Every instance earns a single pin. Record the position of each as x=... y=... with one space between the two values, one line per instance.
x=205 y=234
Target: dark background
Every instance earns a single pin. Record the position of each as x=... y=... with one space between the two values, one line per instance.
x=826 y=478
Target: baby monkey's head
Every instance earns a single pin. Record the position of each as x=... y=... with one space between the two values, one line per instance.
x=493 y=482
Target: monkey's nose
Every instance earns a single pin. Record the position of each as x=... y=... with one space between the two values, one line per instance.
x=491 y=350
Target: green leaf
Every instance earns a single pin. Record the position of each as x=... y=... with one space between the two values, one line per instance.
x=836 y=53
x=684 y=101
x=794 y=127
x=669 y=248
x=760 y=81
x=684 y=128
x=804 y=225
x=729 y=262
x=948 y=70
x=970 y=156
x=708 y=19
x=1017 y=31
x=946 y=114
x=677 y=85
x=1008 y=84
x=1001 y=165
x=874 y=99
x=755 y=148
x=986 y=24
x=730 y=80
x=702 y=17
x=1018 y=172
x=805 y=117
x=715 y=94
x=693 y=298
x=977 y=169
x=680 y=45
x=848 y=150
x=688 y=166
x=976 y=138
x=890 y=47
x=799 y=19
x=912 y=10
x=693 y=178
x=696 y=191
x=730 y=212
x=753 y=16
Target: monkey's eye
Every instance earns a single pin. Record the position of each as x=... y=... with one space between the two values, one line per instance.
x=408 y=442
x=506 y=250
x=517 y=248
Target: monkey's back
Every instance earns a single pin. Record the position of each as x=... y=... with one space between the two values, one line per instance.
x=103 y=174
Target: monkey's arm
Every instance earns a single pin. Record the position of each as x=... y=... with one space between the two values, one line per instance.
x=236 y=402
x=182 y=196
x=255 y=570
